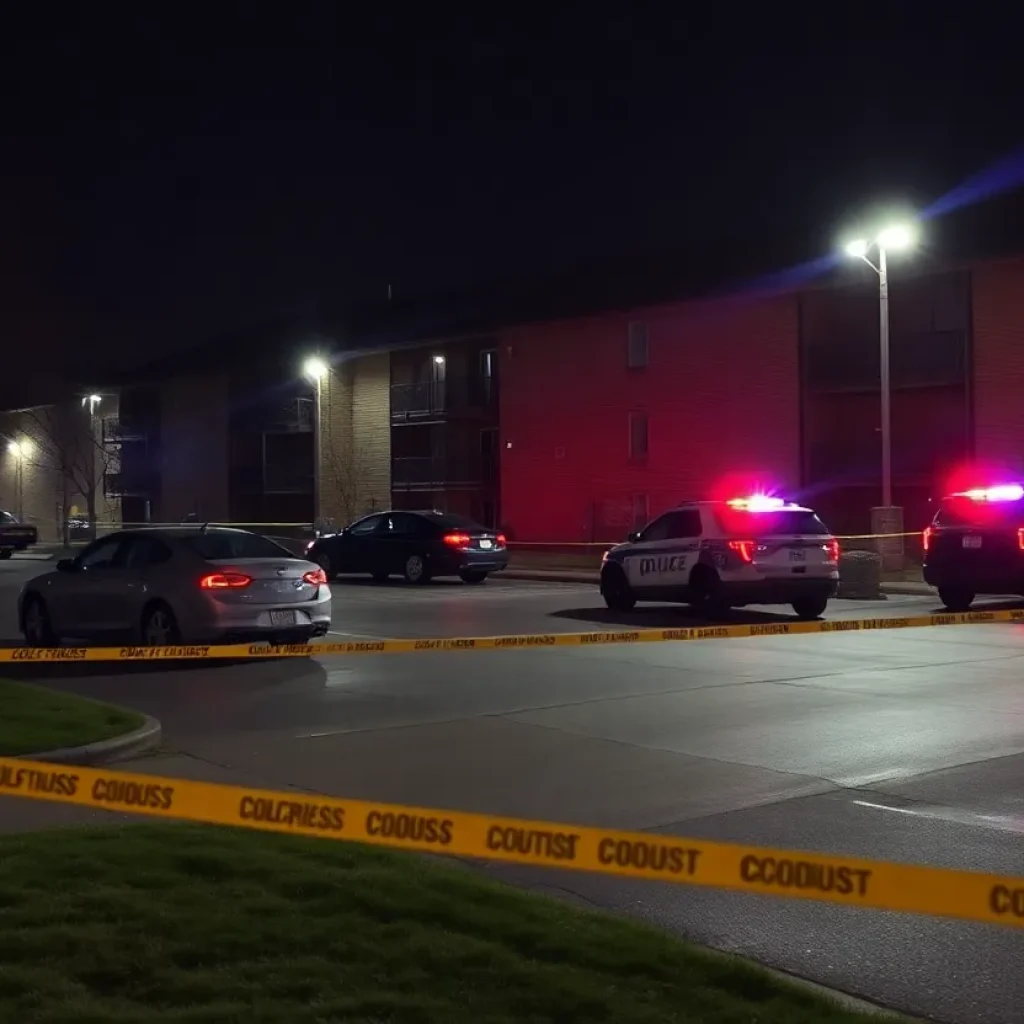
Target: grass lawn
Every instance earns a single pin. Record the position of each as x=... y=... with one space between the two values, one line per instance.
x=33 y=719
x=193 y=923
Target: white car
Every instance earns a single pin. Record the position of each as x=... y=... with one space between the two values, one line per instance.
x=717 y=555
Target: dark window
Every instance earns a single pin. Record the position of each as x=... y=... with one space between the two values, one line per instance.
x=757 y=524
x=216 y=546
x=638 y=435
x=101 y=554
x=365 y=526
x=403 y=524
x=143 y=551
x=451 y=521
x=636 y=355
x=678 y=524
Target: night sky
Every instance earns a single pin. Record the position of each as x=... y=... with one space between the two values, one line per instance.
x=174 y=171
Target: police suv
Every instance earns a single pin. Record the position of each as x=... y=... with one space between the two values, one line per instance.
x=975 y=545
x=717 y=555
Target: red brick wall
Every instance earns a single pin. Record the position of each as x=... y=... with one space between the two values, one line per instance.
x=721 y=392
x=998 y=311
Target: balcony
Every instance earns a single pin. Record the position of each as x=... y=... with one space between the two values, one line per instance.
x=129 y=485
x=272 y=478
x=292 y=417
x=118 y=431
x=435 y=472
x=430 y=401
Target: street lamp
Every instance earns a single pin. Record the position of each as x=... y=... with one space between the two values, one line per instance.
x=19 y=450
x=893 y=238
x=316 y=370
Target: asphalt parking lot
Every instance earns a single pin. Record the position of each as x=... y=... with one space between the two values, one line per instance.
x=906 y=745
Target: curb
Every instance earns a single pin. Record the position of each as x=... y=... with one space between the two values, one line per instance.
x=120 y=748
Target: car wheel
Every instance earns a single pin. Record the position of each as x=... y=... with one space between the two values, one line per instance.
x=956 y=599
x=617 y=593
x=706 y=593
x=416 y=569
x=323 y=559
x=6 y=553
x=159 y=627
x=810 y=607
x=36 y=624
x=472 y=577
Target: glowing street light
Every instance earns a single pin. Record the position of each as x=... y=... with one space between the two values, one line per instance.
x=19 y=449
x=893 y=238
x=315 y=369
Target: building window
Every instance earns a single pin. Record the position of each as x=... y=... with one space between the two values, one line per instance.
x=636 y=355
x=638 y=435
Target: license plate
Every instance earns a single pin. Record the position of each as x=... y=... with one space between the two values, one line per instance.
x=797 y=555
x=972 y=542
x=282 y=618
x=486 y=544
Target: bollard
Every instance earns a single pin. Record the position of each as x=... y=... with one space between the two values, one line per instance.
x=860 y=576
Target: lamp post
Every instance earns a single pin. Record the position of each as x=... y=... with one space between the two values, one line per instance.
x=316 y=370
x=893 y=238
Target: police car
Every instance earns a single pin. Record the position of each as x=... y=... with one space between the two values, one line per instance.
x=975 y=545
x=717 y=555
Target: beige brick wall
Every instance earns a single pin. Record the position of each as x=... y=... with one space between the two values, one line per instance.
x=52 y=460
x=194 y=449
x=355 y=457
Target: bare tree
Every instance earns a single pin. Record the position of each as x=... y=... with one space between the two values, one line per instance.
x=347 y=485
x=68 y=443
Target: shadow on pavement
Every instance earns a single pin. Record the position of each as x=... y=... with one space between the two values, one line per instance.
x=397 y=583
x=668 y=617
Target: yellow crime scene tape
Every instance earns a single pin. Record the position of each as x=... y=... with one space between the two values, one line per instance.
x=532 y=641
x=791 y=874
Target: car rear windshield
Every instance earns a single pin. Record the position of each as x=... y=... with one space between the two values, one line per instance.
x=964 y=512
x=451 y=521
x=216 y=547
x=789 y=521
x=6 y=517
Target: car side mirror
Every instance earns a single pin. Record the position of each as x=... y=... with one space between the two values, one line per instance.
x=633 y=537
x=66 y=565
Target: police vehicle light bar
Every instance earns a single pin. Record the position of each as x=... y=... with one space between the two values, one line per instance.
x=757 y=503
x=1004 y=492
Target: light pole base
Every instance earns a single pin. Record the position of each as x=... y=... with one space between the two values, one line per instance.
x=887 y=527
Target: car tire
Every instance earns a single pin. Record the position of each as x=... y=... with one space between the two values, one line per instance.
x=472 y=577
x=415 y=570
x=956 y=599
x=158 y=627
x=810 y=607
x=617 y=593
x=6 y=553
x=706 y=593
x=36 y=625
x=380 y=577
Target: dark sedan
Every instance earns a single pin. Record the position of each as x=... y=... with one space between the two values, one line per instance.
x=415 y=545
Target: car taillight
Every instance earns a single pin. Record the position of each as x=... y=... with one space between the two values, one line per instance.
x=457 y=540
x=744 y=548
x=832 y=550
x=502 y=542
x=225 y=581
x=315 y=578
x=926 y=538
x=1020 y=538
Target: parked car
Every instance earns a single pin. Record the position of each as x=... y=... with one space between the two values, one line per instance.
x=415 y=545
x=15 y=536
x=178 y=585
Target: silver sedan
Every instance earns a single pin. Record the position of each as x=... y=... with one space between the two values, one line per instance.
x=190 y=584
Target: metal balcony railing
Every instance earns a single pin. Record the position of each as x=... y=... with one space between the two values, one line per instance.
x=129 y=485
x=437 y=399
x=434 y=472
